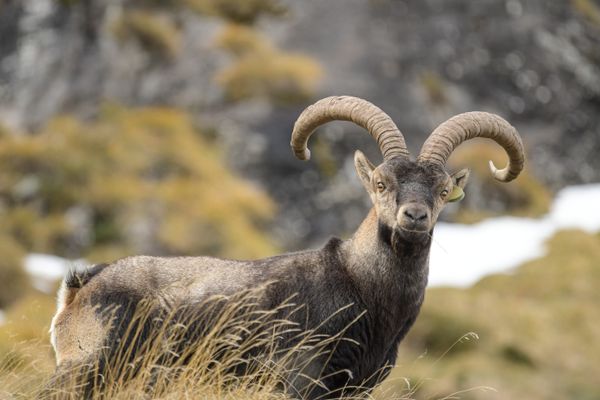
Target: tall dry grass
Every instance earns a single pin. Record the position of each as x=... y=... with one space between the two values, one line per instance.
x=239 y=351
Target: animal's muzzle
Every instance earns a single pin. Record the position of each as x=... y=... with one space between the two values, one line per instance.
x=414 y=217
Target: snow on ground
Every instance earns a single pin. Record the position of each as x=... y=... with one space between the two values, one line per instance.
x=460 y=254
x=46 y=270
x=577 y=207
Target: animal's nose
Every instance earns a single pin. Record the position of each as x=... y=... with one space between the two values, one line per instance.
x=415 y=213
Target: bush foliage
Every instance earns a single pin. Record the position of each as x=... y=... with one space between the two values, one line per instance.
x=14 y=282
x=153 y=31
x=143 y=180
x=238 y=11
x=258 y=69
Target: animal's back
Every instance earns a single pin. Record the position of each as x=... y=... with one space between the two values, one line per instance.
x=90 y=300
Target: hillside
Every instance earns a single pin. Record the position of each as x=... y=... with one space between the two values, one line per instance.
x=537 y=329
x=534 y=62
x=162 y=127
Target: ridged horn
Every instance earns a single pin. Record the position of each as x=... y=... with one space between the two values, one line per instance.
x=450 y=134
x=348 y=108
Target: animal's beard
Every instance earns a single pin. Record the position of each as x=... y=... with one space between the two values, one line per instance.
x=400 y=237
x=395 y=241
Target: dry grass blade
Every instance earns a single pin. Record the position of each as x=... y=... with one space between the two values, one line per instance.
x=239 y=351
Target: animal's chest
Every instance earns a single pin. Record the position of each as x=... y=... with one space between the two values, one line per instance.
x=369 y=345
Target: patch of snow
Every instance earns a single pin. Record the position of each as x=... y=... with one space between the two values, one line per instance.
x=460 y=254
x=463 y=254
x=577 y=207
x=46 y=269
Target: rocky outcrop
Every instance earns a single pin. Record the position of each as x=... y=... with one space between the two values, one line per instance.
x=537 y=63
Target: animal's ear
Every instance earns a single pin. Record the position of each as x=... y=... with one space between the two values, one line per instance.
x=459 y=179
x=364 y=168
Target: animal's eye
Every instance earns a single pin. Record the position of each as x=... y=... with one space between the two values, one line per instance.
x=444 y=193
x=380 y=186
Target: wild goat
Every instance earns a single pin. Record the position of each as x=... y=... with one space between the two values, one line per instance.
x=379 y=275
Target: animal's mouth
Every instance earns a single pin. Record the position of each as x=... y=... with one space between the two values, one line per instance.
x=413 y=227
x=407 y=234
x=413 y=230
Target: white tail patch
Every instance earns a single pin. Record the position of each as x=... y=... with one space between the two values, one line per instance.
x=64 y=297
x=60 y=307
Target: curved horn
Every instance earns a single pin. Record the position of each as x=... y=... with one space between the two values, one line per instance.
x=450 y=134
x=347 y=108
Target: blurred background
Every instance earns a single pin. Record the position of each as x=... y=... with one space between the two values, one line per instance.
x=162 y=127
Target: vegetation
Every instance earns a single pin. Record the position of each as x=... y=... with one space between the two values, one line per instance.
x=257 y=68
x=260 y=70
x=132 y=181
x=433 y=86
x=537 y=331
x=14 y=282
x=531 y=334
x=153 y=31
x=145 y=180
x=150 y=180
x=588 y=9
x=238 y=11
x=235 y=332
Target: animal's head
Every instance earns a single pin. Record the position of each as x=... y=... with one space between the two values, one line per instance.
x=408 y=195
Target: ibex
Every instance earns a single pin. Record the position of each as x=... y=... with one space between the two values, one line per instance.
x=380 y=272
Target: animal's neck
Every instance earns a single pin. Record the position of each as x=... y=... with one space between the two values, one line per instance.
x=371 y=250
x=393 y=273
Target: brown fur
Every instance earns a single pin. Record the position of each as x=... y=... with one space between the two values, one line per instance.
x=377 y=277
x=77 y=330
x=381 y=270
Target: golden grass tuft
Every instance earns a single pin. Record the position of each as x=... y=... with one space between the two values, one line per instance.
x=154 y=32
x=14 y=281
x=131 y=172
x=241 y=352
x=259 y=69
x=222 y=364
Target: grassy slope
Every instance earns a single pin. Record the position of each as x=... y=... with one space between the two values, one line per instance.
x=538 y=332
